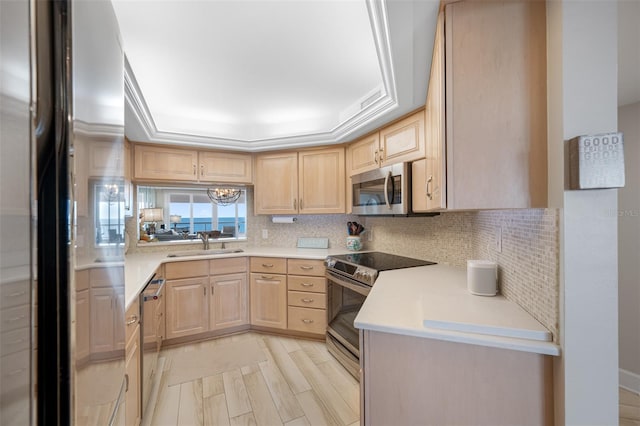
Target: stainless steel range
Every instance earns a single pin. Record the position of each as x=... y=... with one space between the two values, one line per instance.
x=350 y=278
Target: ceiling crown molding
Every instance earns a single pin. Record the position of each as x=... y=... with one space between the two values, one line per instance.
x=356 y=118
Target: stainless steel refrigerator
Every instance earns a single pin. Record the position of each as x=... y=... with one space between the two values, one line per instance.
x=61 y=213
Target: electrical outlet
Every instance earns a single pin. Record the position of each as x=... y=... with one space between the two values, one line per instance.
x=499 y=239
x=265 y=234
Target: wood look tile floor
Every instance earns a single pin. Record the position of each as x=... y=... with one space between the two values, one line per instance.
x=299 y=383
x=629 y=408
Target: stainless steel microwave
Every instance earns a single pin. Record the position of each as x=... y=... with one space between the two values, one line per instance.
x=383 y=191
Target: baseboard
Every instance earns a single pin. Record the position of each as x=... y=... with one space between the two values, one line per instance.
x=630 y=381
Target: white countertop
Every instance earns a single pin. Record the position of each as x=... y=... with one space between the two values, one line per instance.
x=402 y=301
x=139 y=267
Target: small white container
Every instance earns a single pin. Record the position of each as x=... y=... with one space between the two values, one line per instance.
x=482 y=277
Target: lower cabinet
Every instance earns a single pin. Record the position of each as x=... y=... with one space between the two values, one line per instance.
x=107 y=323
x=82 y=324
x=228 y=301
x=133 y=406
x=269 y=300
x=187 y=309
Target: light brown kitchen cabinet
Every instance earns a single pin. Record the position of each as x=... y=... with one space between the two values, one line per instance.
x=276 y=185
x=106 y=307
x=412 y=380
x=165 y=164
x=306 y=296
x=83 y=347
x=428 y=175
x=187 y=308
x=229 y=300
x=496 y=128
x=225 y=167
x=398 y=142
x=106 y=158
x=269 y=300
x=133 y=406
x=305 y=182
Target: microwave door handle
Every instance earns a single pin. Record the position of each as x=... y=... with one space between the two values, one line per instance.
x=386 y=187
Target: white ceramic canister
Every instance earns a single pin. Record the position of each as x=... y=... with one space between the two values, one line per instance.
x=354 y=242
x=482 y=277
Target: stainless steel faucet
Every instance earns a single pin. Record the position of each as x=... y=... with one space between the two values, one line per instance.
x=204 y=236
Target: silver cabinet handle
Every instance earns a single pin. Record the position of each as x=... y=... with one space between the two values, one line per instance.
x=295 y=204
x=429 y=194
x=381 y=156
x=205 y=290
x=267 y=265
x=133 y=320
x=194 y=169
x=306 y=300
x=301 y=204
x=306 y=268
x=306 y=284
x=202 y=170
x=375 y=157
x=307 y=321
x=266 y=277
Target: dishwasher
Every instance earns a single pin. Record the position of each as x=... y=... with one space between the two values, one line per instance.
x=152 y=331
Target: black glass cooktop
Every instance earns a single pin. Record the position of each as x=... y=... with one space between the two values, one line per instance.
x=381 y=261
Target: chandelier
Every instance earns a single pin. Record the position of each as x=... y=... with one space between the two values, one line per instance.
x=224 y=196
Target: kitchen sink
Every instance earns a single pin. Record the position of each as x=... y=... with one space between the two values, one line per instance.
x=188 y=253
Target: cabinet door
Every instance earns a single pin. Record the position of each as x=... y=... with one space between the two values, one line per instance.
x=118 y=318
x=102 y=319
x=364 y=154
x=276 y=184
x=228 y=307
x=132 y=370
x=157 y=163
x=225 y=167
x=269 y=300
x=403 y=141
x=429 y=180
x=496 y=104
x=187 y=307
x=106 y=158
x=82 y=324
x=321 y=187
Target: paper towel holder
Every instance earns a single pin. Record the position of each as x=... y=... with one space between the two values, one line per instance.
x=283 y=219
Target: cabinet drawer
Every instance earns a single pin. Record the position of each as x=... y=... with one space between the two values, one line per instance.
x=305 y=267
x=192 y=268
x=271 y=265
x=14 y=318
x=307 y=319
x=106 y=277
x=311 y=284
x=15 y=341
x=307 y=300
x=14 y=372
x=82 y=280
x=231 y=265
x=15 y=294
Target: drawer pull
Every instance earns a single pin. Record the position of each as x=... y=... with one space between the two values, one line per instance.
x=16 y=372
x=268 y=265
x=305 y=300
x=14 y=319
x=306 y=284
x=306 y=268
x=266 y=277
x=133 y=320
x=307 y=321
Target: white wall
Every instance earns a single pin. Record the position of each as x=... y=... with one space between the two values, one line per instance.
x=582 y=63
x=629 y=249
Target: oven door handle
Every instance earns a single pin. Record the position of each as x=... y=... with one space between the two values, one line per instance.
x=386 y=187
x=353 y=285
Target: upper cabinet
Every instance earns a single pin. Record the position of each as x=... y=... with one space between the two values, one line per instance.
x=495 y=97
x=400 y=141
x=305 y=182
x=172 y=164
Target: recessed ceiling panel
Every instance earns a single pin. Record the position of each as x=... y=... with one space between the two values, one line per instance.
x=250 y=70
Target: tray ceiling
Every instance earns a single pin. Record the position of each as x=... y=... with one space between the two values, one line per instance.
x=257 y=75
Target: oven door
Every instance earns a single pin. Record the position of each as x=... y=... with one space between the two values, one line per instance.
x=382 y=191
x=345 y=297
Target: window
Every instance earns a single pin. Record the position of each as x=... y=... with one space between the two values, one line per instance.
x=109 y=212
x=187 y=211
